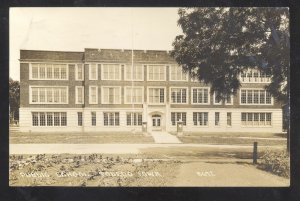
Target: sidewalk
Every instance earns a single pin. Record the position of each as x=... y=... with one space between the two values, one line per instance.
x=110 y=148
x=164 y=137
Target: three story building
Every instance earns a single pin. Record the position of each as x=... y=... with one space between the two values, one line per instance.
x=118 y=90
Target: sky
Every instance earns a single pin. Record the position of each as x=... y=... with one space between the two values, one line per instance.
x=73 y=29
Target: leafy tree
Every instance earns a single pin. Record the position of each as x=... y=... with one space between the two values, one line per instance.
x=14 y=98
x=220 y=43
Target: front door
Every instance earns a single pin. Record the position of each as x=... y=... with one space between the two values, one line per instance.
x=156 y=122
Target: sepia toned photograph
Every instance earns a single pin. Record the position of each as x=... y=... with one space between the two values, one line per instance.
x=149 y=97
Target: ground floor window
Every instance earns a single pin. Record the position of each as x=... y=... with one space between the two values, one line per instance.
x=134 y=118
x=93 y=115
x=111 y=118
x=217 y=118
x=49 y=119
x=229 y=119
x=256 y=119
x=79 y=117
x=178 y=116
x=200 y=118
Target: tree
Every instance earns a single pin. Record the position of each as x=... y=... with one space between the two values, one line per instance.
x=14 y=98
x=220 y=43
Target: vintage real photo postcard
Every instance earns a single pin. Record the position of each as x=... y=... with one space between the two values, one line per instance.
x=195 y=97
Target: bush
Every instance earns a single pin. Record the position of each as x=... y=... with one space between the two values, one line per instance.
x=277 y=162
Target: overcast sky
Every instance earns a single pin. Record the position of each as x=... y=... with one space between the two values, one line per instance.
x=73 y=29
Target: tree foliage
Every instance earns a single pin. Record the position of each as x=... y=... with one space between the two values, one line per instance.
x=218 y=44
x=14 y=96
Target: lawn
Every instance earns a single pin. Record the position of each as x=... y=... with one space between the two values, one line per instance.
x=234 y=138
x=79 y=138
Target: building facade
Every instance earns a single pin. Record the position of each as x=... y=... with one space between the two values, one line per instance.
x=118 y=90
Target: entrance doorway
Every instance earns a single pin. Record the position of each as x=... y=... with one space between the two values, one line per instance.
x=156 y=122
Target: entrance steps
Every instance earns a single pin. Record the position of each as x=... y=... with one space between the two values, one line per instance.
x=164 y=137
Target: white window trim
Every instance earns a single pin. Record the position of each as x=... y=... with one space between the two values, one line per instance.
x=46 y=126
x=198 y=125
x=229 y=126
x=219 y=119
x=102 y=94
x=90 y=95
x=133 y=126
x=46 y=103
x=76 y=72
x=170 y=69
x=226 y=103
x=259 y=73
x=272 y=99
x=155 y=87
x=257 y=126
x=125 y=94
x=76 y=94
x=125 y=73
x=208 y=96
x=165 y=77
x=30 y=70
x=170 y=95
x=111 y=126
x=120 y=70
x=186 y=115
x=214 y=96
x=90 y=70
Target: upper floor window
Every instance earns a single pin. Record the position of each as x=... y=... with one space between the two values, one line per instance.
x=156 y=95
x=217 y=100
x=93 y=72
x=228 y=100
x=178 y=95
x=177 y=74
x=79 y=94
x=93 y=95
x=111 y=72
x=255 y=97
x=111 y=95
x=200 y=95
x=135 y=72
x=48 y=95
x=42 y=71
x=255 y=76
x=156 y=72
x=79 y=72
x=134 y=95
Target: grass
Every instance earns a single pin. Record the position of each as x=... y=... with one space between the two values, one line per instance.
x=79 y=138
x=233 y=138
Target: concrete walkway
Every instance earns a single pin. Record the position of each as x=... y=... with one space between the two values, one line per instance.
x=164 y=137
x=112 y=148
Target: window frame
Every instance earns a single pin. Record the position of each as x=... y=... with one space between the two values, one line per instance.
x=248 y=124
x=45 y=120
x=208 y=95
x=45 y=66
x=259 y=95
x=90 y=95
x=76 y=95
x=120 y=70
x=215 y=103
x=126 y=66
x=46 y=97
x=186 y=98
x=90 y=70
x=126 y=91
x=148 y=74
x=120 y=94
x=156 y=87
x=172 y=66
x=76 y=72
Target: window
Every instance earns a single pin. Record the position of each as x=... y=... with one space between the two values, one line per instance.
x=178 y=95
x=135 y=72
x=177 y=73
x=111 y=72
x=79 y=72
x=134 y=95
x=111 y=119
x=229 y=100
x=111 y=95
x=93 y=116
x=134 y=118
x=41 y=71
x=200 y=95
x=93 y=72
x=79 y=118
x=217 y=101
x=217 y=118
x=93 y=95
x=156 y=95
x=200 y=118
x=49 y=95
x=256 y=119
x=46 y=119
x=255 y=76
x=255 y=97
x=79 y=94
x=178 y=116
x=228 y=118
x=156 y=73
